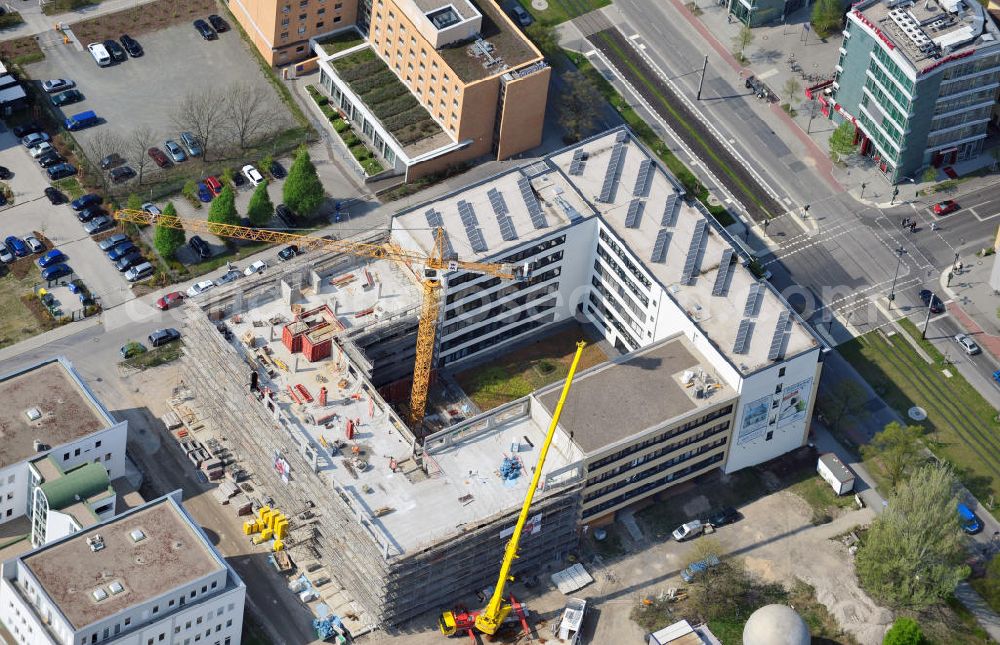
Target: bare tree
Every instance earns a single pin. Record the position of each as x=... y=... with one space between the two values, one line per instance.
x=202 y=112
x=104 y=144
x=249 y=113
x=139 y=142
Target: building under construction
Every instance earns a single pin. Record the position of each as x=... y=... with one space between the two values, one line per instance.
x=716 y=372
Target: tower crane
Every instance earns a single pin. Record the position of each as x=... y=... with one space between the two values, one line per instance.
x=488 y=620
x=434 y=264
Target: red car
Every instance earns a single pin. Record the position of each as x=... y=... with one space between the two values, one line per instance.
x=169 y=300
x=945 y=207
x=214 y=185
x=159 y=157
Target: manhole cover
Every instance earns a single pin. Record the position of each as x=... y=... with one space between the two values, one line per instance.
x=917 y=413
x=541 y=5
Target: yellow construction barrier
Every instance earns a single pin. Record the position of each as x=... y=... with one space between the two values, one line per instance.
x=279 y=545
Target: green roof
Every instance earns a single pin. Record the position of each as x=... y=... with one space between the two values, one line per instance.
x=82 y=482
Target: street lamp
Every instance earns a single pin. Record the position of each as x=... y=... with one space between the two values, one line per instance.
x=863 y=186
x=900 y=252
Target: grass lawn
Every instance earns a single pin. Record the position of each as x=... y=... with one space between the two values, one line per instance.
x=521 y=372
x=988 y=586
x=142 y=18
x=23 y=314
x=818 y=494
x=155 y=356
x=563 y=10
x=340 y=42
x=961 y=426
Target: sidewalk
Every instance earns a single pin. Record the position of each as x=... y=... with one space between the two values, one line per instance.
x=35 y=22
x=51 y=336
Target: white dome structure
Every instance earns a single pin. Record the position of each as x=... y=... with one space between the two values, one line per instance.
x=776 y=625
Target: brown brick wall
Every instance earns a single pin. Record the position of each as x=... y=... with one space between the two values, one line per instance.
x=523 y=115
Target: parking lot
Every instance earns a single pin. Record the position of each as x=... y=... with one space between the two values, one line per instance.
x=146 y=91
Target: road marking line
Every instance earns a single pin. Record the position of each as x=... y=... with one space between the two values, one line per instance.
x=635 y=37
x=591 y=53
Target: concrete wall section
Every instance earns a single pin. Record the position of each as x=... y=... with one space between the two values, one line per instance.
x=522 y=112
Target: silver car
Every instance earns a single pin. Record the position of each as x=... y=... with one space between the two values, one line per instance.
x=191 y=143
x=968 y=345
x=174 y=150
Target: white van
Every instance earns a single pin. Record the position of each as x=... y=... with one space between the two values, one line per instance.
x=100 y=54
x=139 y=272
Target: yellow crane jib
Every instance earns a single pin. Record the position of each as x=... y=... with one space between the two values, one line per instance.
x=488 y=621
x=433 y=266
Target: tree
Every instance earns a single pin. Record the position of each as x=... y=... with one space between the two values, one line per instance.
x=728 y=591
x=905 y=631
x=140 y=140
x=842 y=141
x=134 y=202
x=827 y=17
x=223 y=208
x=742 y=40
x=265 y=163
x=167 y=240
x=545 y=38
x=930 y=174
x=226 y=178
x=260 y=209
x=249 y=112
x=896 y=451
x=792 y=87
x=845 y=399
x=302 y=190
x=579 y=106
x=913 y=554
x=203 y=112
x=104 y=143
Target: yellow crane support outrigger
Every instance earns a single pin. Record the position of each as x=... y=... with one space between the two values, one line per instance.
x=433 y=265
x=488 y=620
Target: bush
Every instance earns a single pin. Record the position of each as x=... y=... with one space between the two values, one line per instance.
x=302 y=191
x=905 y=631
x=372 y=167
x=340 y=125
x=350 y=139
x=328 y=111
x=360 y=152
x=10 y=19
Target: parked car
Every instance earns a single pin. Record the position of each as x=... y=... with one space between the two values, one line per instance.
x=55 y=256
x=49 y=159
x=34 y=244
x=159 y=157
x=285 y=215
x=81 y=120
x=139 y=272
x=199 y=288
x=191 y=143
x=84 y=201
x=695 y=569
x=41 y=149
x=56 y=271
x=112 y=160
x=218 y=23
x=252 y=174
x=688 y=530
x=152 y=208
x=931 y=300
x=100 y=54
x=6 y=256
x=257 y=267
x=277 y=170
x=110 y=242
x=214 y=185
x=725 y=516
x=31 y=127
x=131 y=45
x=169 y=300
x=239 y=179
x=163 y=336
x=33 y=139
x=55 y=196
x=174 y=150
x=288 y=252
x=521 y=16
x=227 y=277
x=5 y=173
x=16 y=246
x=57 y=85
x=121 y=251
x=205 y=30
x=200 y=247
x=132 y=348
x=66 y=98
x=971 y=523
x=129 y=260
x=118 y=54
x=98 y=224
x=968 y=345
x=945 y=207
x=204 y=194
x=61 y=170
x=121 y=174
x=90 y=213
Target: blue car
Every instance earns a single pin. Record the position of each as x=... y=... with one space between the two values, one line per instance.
x=56 y=271
x=55 y=256
x=16 y=246
x=971 y=523
x=84 y=201
x=120 y=251
x=204 y=194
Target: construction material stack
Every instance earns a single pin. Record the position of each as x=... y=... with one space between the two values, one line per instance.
x=269 y=524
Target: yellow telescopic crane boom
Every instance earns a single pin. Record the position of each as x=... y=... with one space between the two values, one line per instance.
x=488 y=621
x=432 y=264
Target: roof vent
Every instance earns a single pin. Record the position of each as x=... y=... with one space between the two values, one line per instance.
x=137 y=535
x=116 y=587
x=96 y=543
x=99 y=594
x=33 y=414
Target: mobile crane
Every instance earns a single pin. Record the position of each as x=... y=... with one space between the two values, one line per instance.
x=488 y=620
x=433 y=264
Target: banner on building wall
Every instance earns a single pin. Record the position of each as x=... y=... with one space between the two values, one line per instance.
x=794 y=403
x=754 y=420
x=532 y=526
x=281 y=467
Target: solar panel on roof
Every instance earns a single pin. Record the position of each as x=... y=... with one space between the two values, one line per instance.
x=660 y=247
x=743 y=335
x=694 y=252
x=725 y=268
x=579 y=162
x=753 y=299
x=498 y=202
x=670 y=210
x=531 y=203
x=612 y=173
x=435 y=221
x=642 y=179
x=476 y=240
x=634 y=214
x=467 y=213
x=536 y=169
x=507 y=231
x=778 y=341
